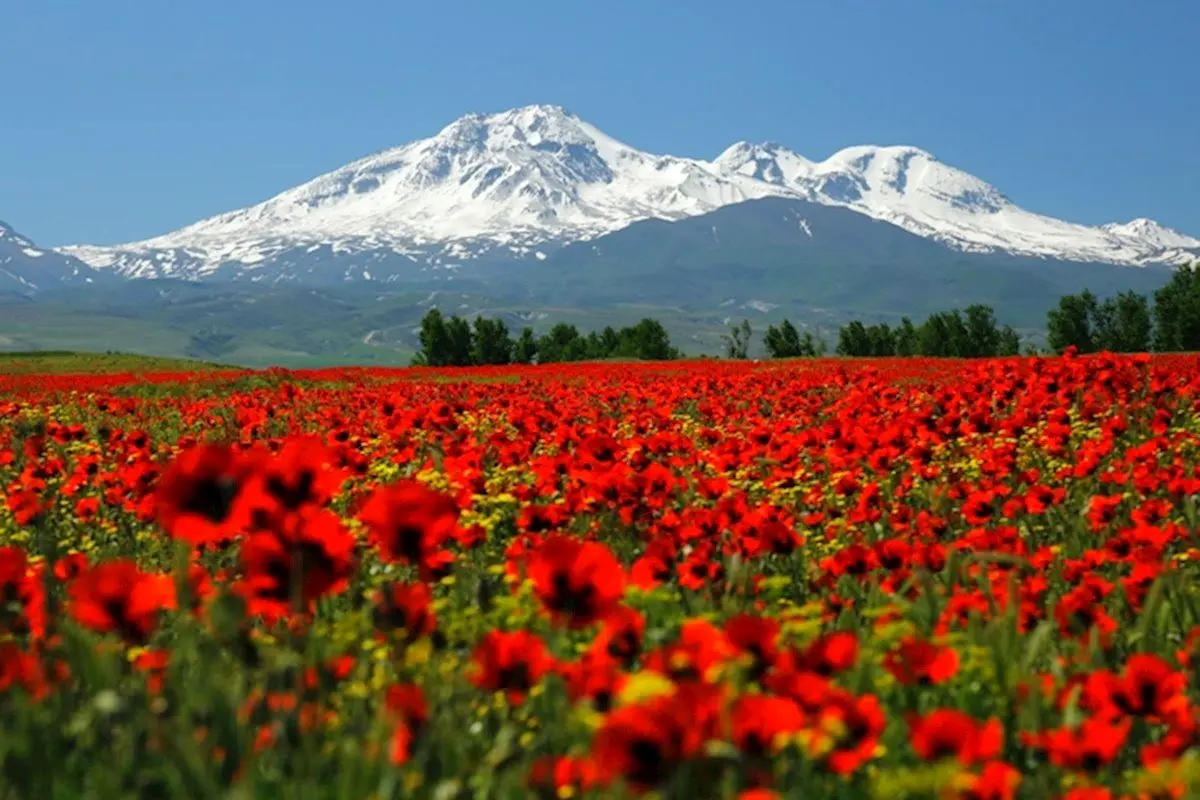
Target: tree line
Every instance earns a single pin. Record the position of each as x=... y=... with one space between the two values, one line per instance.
x=1128 y=322
x=455 y=342
x=784 y=341
x=974 y=333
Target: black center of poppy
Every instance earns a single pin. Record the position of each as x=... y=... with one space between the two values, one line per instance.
x=516 y=677
x=295 y=495
x=211 y=498
x=649 y=766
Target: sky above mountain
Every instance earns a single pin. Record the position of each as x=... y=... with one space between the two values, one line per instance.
x=123 y=120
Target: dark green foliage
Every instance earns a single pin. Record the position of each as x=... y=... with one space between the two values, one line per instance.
x=943 y=335
x=907 y=343
x=737 y=341
x=1123 y=324
x=948 y=334
x=458 y=335
x=435 y=342
x=983 y=335
x=453 y=343
x=492 y=344
x=1010 y=342
x=561 y=343
x=1070 y=324
x=1120 y=324
x=1177 y=312
x=525 y=349
x=647 y=340
x=786 y=342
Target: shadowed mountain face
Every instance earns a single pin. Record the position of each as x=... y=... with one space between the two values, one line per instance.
x=26 y=269
x=811 y=258
x=764 y=260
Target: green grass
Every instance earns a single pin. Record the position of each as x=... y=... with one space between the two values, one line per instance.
x=72 y=362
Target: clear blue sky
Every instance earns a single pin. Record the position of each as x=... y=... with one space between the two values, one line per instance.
x=120 y=120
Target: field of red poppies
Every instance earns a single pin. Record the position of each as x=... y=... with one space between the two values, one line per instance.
x=901 y=578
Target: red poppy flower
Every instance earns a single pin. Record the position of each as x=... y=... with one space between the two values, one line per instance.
x=1091 y=746
x=597 y=679
x=599 y=452
x=407 y=702
x=948 y=733
x=22 y=595
x=117 y=596
x=512 y=662
x=20 y=668
x=69 y=567
x=288 y=568
x=760 y=722
x=620 y=638
x=757 y=637
x=304 y=473
x=996 y=781
x=831 y=654
x=644 y=744
x=916 y=661
x=554 y=777
x=195 y=499
x=407 y=607
x=701 y=647
x=858 y=723
x=410 y=522
x=578 y=582
x=1147 y=686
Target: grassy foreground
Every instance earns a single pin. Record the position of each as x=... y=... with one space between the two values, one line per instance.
x=41 y=362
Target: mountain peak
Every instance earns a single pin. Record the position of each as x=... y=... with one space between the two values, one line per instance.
x=510 y=182
x=769 y=162
x=1152 y=232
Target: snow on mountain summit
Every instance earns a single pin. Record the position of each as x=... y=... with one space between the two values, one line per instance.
x=512 y=181
x=909 y=187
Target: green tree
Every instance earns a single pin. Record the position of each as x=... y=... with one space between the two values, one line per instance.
x=525 y=349
x=1122 y=324
x=982 y=332
x=882 y=340
x=737 y=341
x=1070 y=324
x=459 y=342
x=945 y=335
x=491 y=342
x=811 y=345
x=784 y=341
x=435 y=341
x=1177 y=312
x=853 y=340
x=561 y=343
x=610 y=341
x=648 y=340
x=907 y=343
x=1010 y=342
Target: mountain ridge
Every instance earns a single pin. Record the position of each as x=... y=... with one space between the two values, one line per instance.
x=519 y=184
x=26 y=268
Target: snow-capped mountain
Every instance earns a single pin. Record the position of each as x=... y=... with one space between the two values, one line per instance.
x=27 y=269
x=499 y=184
x=910 y=188
x=520 y=183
